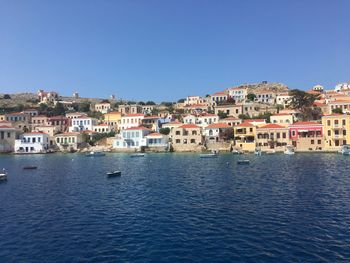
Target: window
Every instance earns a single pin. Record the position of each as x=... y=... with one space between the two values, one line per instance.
x=318 y=141
x=177 y=133
x=343 y=121
x=293 y=133
x=329 y=132
x=185 y=141
x=312 y=141
x=278 y=135
x=336 y=122
x=329 y=123
x=193 y=141
x=344 y=132
x=284 y=135
x=177 y=141
x=8 y=135
x=194 y=132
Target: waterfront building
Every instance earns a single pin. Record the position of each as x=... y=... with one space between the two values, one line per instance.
x=202 y=120
x=156 y=141
x=7 y=138
x=283 y=119
x=131 y=138
x=49 y=130
x=19 y=120
x=103 y=107
x=265 y=96
x=187 y=137
x=152 y=122
x=336 y=131
x=307 y=136
x=82 y=124
x=112 y=118
x=218 y=132
x=32 y=142
x=61 y=123
x=272 y=137
x=130 y=109
x=244 y=136
x=69 y=141
x=131 y=120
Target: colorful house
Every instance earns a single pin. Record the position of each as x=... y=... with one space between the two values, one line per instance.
x=131 y=138
x=32 y=142
x=130 y=121
x=307 y=136
x=272 y=137
x=336 y=131
x=187 y=137
x=157 y=141
x=218 y=132
x=82 y=124
x=244 y=136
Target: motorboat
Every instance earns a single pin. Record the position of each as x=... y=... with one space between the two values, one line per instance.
x=114 y=174
x=29 y=167
x=289 y=150
x=95 y=154
x=270 y=152
x=345 y=149
x=208 y=155
x=3 y=175
x=137 y=155
x=257 y=151
x=235 y=151
x=242 y=162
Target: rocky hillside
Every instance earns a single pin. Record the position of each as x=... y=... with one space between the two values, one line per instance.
x=26 y=99
x=276 y=87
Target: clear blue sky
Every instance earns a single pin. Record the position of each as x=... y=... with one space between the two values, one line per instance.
x=165 y=50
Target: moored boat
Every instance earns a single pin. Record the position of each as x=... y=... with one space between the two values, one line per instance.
x=114 y=174
x=257 y=151
x=29 y=167
x=137 y=155
x=235 y=151
x=3 y=175
x=243 y=162
x=208 y=155
x=289 y=150
x=95 y=154
x=345 y=149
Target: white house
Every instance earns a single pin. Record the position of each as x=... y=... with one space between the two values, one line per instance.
x=133 y=138
x=216 y=131
x=82 y=124
x=33 y=142
x=157 y=140
x=238 y=94
x=202 y=120
x=103 y=107
x=131 y=120
x=102 y=128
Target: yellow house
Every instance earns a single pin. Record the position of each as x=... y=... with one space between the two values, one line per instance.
x=283 y=119
x=244 y=136
x=336 y=131
x=112 y=118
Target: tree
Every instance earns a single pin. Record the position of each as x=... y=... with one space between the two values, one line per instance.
x=222 y=115
x=337 y=111
x=58 y=109
x=84 y=106
x=167 y=103
x=181 y=101
x=150 y=102
x=279 y=107
x=251 y=96
x=7 y=97
x=244 y=116
x=141 y=103
x=164 y=131
x=303 y=102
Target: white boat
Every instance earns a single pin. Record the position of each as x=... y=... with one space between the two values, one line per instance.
x=208 y=155
x=95 y=154
x=114 y=174
x=257 y=151
x=137 y=155
x=289 y=150
x=235 y=151
x=270 y=152
x=3 y=175
x=345 y=149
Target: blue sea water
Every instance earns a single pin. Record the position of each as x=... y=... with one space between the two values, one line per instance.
x=175 y=208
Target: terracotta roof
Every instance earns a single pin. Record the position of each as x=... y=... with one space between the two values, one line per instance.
x=245 y=124
x=218 y=126
x=281 y=114
x=137 y=128
x=207 y=115
x=34 y=133
x=173 y=123
x=6 y=127
x=134 y=115
x=272 y=126
x=189 y=126
x=231 y=119
x=67 y=134
x=340 y=101
x=310 y=123
x=255 y=120
x=220 y=93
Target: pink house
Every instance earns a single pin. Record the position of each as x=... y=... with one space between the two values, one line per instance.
x=307 y=136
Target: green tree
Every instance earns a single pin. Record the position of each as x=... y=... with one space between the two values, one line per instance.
x=150 y=102
x=7 y=97
x=251 y=96
x=58 y=109
x=222 y=115
x=164 y=131
x=141 y=103
x=84 y=106
x=244 y=116
x=303 y=102
x=181 y=101
x=337 y=111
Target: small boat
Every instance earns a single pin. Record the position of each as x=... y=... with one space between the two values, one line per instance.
x=208 y=155
x=234 y=151
x=243 y=162
x=137 y=155
x=289 y=150
x=257 y=151
x=114 y=174
x=29 y=167
x=270 y=152
x=3 y=175
x=95 y=154
x=345 y=149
